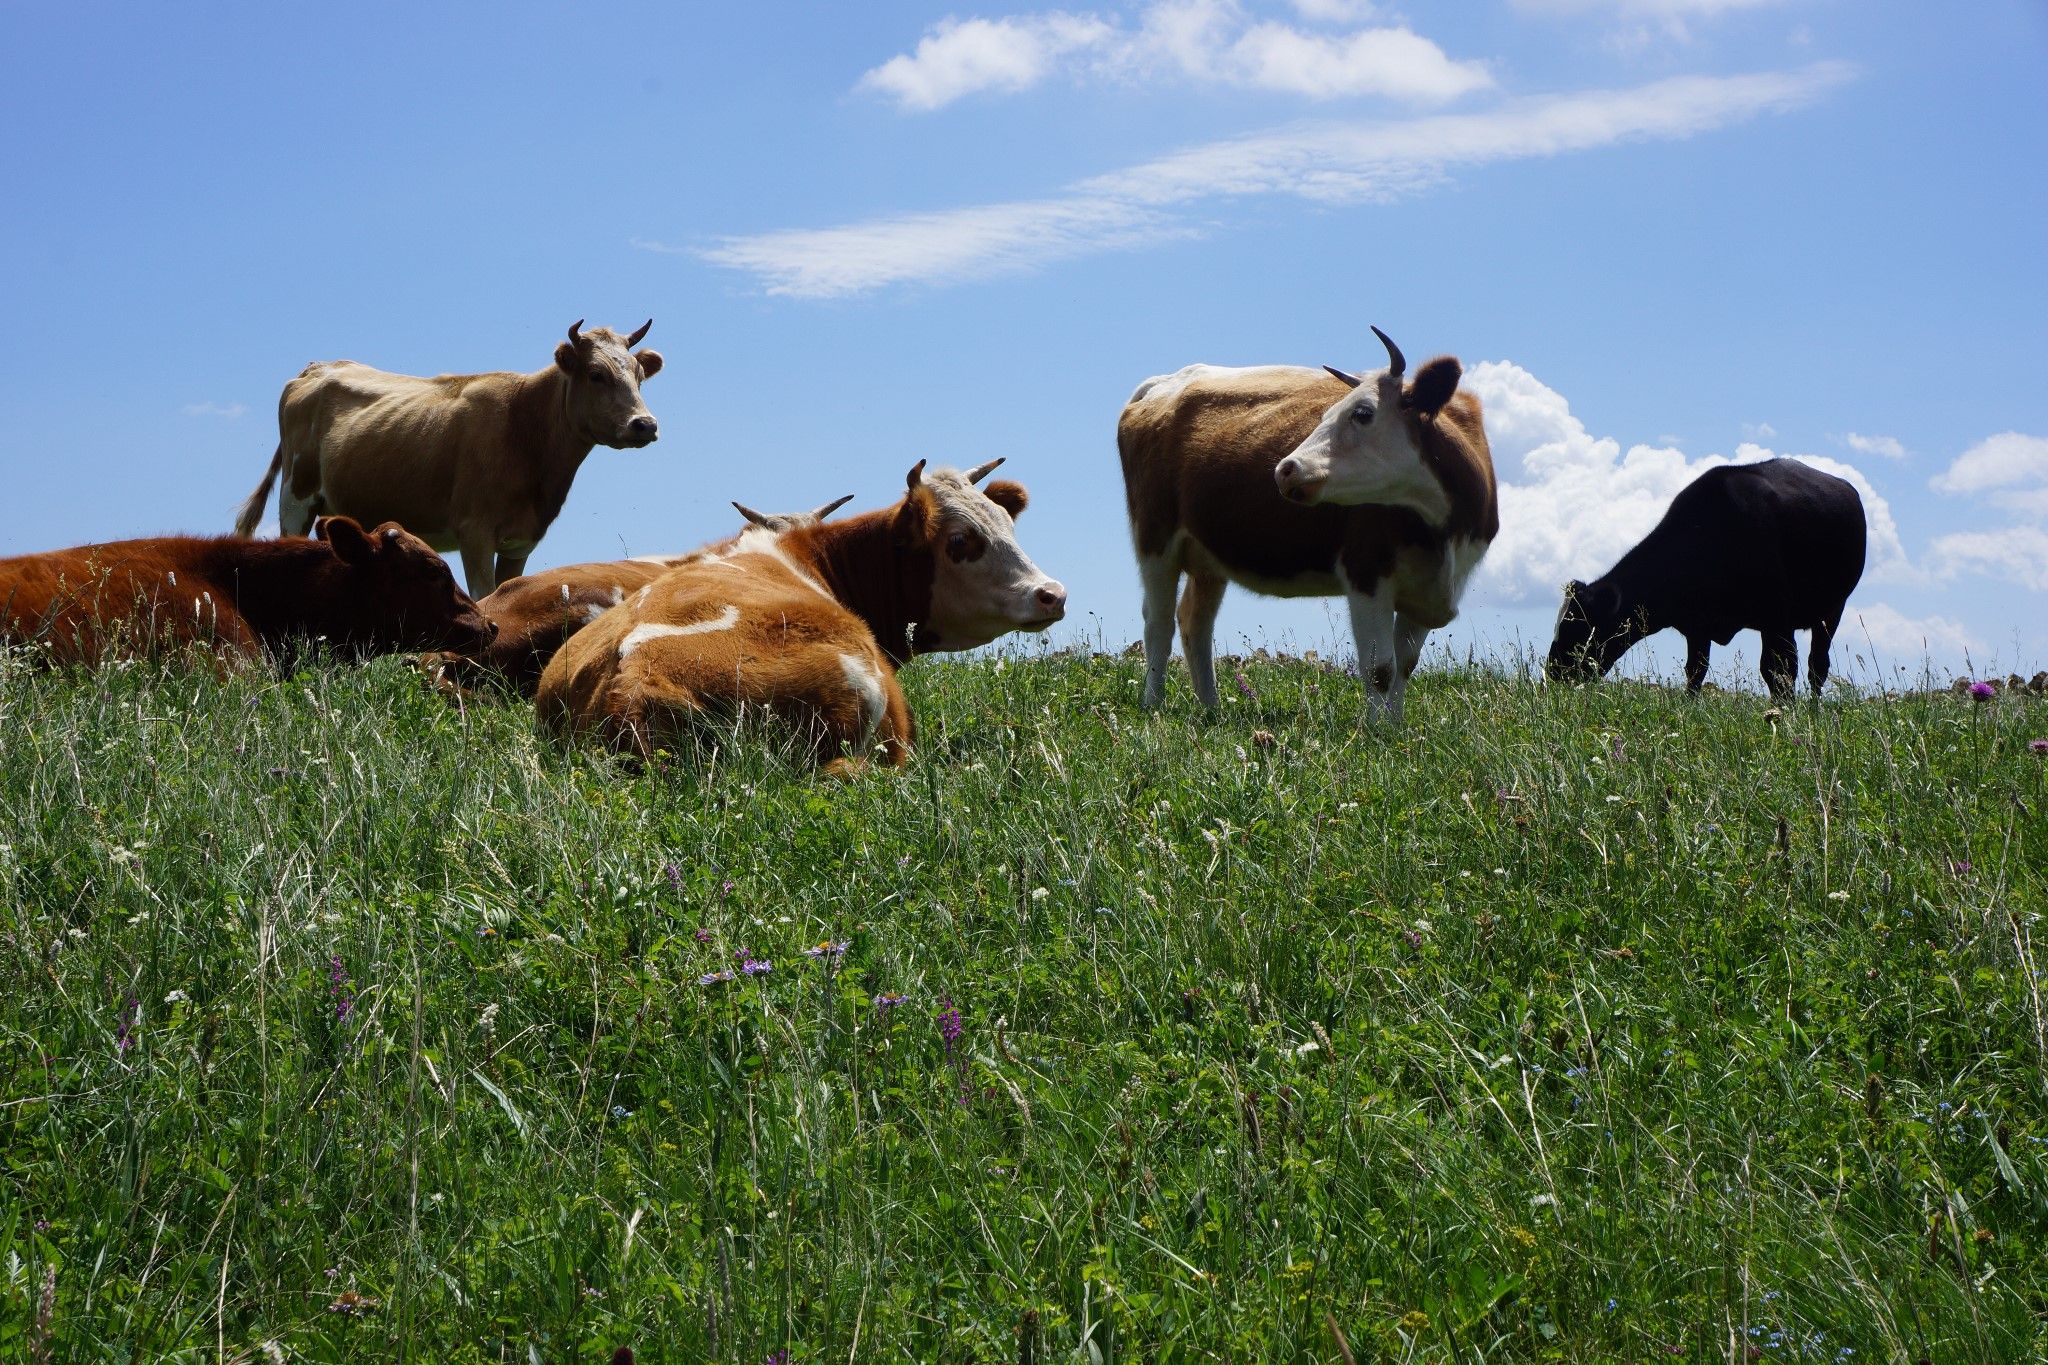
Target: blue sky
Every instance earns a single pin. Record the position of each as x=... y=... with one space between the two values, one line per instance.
x=1659 y=233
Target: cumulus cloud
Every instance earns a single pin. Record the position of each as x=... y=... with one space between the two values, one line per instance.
x=960 y=57
x=1887 y=446
x=1899 y=639
x=2009 y=470
x=212 y=409
x=1997 y=462
x=2017 y=554
x=1330 y=163
x=1572 y=503
x=1212 y=41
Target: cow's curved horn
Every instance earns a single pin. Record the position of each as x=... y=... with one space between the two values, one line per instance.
x=635 y=339
x=833 y=506
x=916 y=475
x=576 y=331
x=1350 y=381
x=982 y=471
x=759 y=519
x=1397 y=364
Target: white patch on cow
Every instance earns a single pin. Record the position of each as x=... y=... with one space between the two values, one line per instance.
x=1164 y=386
x=640 y=597
x=867 y=685
x=593 y=610
x=654 y=630
x=618 y=594
x=767 y=548
x=664 y=560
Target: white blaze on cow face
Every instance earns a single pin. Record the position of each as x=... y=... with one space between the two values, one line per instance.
x=983 y=584
x=1365 y=450
x=604 y=374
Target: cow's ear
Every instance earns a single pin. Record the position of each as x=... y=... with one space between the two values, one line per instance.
x=650 y=362
x=1008 y=495
x=565 y=357
x=1576 y=590
x=1434 y=384
x=351 y=544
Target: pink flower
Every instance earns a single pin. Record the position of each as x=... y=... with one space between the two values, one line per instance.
x=1983 y=691
x=2039 y=746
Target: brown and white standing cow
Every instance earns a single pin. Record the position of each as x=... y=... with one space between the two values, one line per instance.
x=809 y=624
x=361 y=592
x=535 y=613
x=479 y=463
x=1307 y=483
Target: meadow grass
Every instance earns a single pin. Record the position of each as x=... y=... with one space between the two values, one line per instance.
x=339 y=1024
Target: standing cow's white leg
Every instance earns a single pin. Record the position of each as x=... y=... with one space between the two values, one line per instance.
x=1408 y=640
x=1199 y=602
x=479 y=554
x=1372 y=634
x=294 y=514
x=1158 y=575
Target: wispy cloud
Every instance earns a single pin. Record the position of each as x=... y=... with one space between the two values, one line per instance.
x=1329 y=163
x=1642 y=20
x=211 y=409
x=1997 y=464
x=1205 y=41
x=2010 y=470
x=1886 y=446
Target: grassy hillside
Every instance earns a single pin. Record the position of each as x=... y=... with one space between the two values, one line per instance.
x=337 y=1024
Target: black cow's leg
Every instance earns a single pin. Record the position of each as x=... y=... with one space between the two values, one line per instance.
x=1781 y=662
x=1817 y=653
x=1697 y=648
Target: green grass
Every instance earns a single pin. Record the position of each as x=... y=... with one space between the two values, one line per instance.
x=1562 y=1024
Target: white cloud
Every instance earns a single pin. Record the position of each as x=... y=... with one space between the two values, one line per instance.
x=1571 y=503
x=1887 y=446
x=1202 y=40
x=961 y=57
x=1335 y=163
x=1996 y=462
x=1334 y=11
x=1642 y=22
x=1759 y=431
x=211 y=409
x=1899 y=639
x=2017 y=554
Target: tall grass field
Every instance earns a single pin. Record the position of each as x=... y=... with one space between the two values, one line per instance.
x=341 y=1024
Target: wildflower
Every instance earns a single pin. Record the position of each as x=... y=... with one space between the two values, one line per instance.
x=176 y=997
x=950 y=1027
x=338 y=989
x=725 y=887
x=674 y=873
x=1244 y=687
x=620 y=1111
x=42 y=1225
x=124 y=1031
x=828 y=949
x=886 y=1001
x=777 y=1358
x=1039 y=893
x=1982 y=691
x=1959 y=866
x=713 y=978
x=333 y=1272
x=755 y=967
x=702 y=936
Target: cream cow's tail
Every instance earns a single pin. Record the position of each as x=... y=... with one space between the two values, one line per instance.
x=252 y=510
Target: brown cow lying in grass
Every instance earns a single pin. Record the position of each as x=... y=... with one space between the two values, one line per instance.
x=536 y=612
x=361 y=592
x=809 y=625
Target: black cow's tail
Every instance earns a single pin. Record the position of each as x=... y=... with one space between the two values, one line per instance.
x=252 y=510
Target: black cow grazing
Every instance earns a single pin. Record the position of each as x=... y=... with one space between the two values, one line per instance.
x=1772 y=547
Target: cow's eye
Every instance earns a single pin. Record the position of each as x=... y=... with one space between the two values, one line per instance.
x=600 y=376
x=1361 y=414
x=957 y=545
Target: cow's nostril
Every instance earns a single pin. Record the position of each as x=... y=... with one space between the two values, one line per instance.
x=643 y=426
x=1052 y=595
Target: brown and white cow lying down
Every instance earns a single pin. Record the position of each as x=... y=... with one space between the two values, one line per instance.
x=479 y=463
x=535 y=613
x=362 y=592
x=1307 y=483
x=809 y=624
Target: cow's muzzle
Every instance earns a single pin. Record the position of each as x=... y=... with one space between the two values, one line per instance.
x=1295 y=483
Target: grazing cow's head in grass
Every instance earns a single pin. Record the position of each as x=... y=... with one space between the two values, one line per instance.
x=1369 y=446
x=1592 y=633
x=604 y=374
x=983 y=584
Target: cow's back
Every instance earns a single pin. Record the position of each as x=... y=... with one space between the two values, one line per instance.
x=141 y=596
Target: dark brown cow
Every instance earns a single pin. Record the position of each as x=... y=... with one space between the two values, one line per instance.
x=479 y=463
x=809 y=624
x=360 y=592
x=1307 y=483
x=536 y=612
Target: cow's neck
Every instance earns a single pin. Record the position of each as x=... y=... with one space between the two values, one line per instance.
x=545 y=441
x=885 y=584
x=283 y=588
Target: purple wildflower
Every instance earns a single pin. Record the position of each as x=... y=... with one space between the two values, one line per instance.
x=1983 y=691
x=713 y=978
x=756 y=967
x=1245 y=688
x=778 y=1358
x=674 y=873
x=124 y=1031
x=725 y=888
x=2039 y=746
x=702 y=936
x=828 y=949
x=338 y=989
x=886 y=1002
x=42 y=1225
x=1959 y=866
x=950 y=1028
